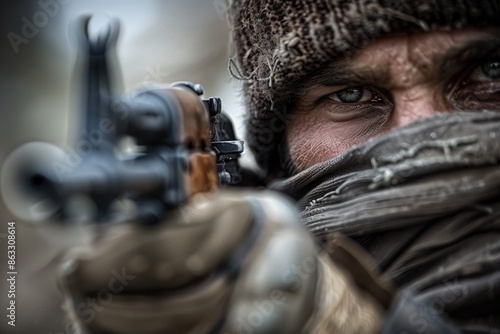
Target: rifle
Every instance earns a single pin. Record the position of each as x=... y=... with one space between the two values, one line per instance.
x=187 y=271
x=185 y=145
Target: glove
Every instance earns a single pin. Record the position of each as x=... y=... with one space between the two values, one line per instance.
x=229 y=262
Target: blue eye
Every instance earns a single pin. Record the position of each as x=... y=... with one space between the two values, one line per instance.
x=488 y=71
x=353 y=95
x=491 y=69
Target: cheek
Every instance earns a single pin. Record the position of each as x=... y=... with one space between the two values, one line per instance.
x=311 y=147
x=312 y=141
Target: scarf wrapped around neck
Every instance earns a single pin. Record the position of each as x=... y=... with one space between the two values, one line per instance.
x=424 y=201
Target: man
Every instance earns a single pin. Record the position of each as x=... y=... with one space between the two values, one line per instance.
x=342 y=73
x=371 y=114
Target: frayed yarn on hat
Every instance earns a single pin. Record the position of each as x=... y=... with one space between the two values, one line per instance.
x=279 y=42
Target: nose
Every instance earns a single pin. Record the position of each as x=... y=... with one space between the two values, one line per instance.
x=415 y=104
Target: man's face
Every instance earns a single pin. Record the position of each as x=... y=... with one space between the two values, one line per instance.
x=390 y=83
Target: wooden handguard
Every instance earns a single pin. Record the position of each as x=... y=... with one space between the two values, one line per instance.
x=202 y=173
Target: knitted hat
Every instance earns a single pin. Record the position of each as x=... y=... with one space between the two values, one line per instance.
x=279 y=42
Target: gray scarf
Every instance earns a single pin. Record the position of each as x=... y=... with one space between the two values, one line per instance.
x=424 y=201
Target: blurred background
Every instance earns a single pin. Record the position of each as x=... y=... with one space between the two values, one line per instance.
x=160 y=42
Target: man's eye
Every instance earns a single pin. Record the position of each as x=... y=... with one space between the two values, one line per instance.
x=353 y=95
x=488 y=71
x=478 y=89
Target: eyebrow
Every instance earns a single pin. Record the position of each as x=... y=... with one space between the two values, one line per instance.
x=342 y=71
x=468 y=55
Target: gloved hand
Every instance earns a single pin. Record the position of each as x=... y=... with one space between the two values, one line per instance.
x=230 y=262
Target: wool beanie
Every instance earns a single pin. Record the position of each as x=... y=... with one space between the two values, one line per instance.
x=279 y=42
